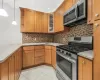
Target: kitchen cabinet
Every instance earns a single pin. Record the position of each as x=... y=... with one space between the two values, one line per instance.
x=28 y=56
x=53 y=56
x=58 y=19
x=11 y=67
x=74 y=1
x=5 y=70
x=33 y=21
x=68 y=4
x=96 y=10
x=39 y=55
x=29 y=20
x=84 y=69
x=90 y=12
x=96 y=62
x=48 y=52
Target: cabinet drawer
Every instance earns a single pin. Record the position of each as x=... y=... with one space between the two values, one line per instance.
x=39 y=53
x=47 y=47
x=28 y=48
x=39 y=47
x=39 y=60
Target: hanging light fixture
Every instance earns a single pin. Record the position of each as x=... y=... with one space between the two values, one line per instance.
x=3 y=12
x=14 y=22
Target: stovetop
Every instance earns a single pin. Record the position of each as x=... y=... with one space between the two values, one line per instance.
x=76 y=47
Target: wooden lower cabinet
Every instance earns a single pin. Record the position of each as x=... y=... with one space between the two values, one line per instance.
x=84 y=69
x=48 y=56
x=39 y=60
x=28 y=58
x=53 y=56
x=5 y=70
x=11 y=68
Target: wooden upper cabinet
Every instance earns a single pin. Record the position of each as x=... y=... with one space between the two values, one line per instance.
x=68 y=4
x=34 y=21
x=90 y=12
x=84 y=69
x=29 y=20
x=58 y=18
x=96 y=9
x=75 y=1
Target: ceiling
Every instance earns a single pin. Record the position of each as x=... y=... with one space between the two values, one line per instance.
x=39 y=5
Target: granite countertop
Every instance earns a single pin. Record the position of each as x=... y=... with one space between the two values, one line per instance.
x=52 y=44
x=7 y=50
x=87 y=54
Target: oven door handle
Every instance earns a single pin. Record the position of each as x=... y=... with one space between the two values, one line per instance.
x=67 y=58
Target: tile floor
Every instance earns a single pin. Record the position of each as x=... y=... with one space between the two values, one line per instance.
x=39 y=73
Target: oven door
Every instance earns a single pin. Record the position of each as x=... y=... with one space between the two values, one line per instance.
x=70 y=16
x=66 y=68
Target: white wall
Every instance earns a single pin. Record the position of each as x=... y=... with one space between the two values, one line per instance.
x=10 y=34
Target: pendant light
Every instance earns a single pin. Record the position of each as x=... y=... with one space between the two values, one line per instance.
x=3 y=12
x=14 y=22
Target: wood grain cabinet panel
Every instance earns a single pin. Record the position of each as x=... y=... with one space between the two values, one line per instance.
x=11 y=68
x=5 y=70
x=39 y=60
x=48 y=56
x=96 y=62
x=96 y=9
x=84 y=69
x=29 y=20
x=28 y=48
x=28 y=58
x=39 y=53
x=90 y=12
x=53 y=57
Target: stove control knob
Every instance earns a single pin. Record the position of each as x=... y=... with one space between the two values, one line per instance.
x=62 y=51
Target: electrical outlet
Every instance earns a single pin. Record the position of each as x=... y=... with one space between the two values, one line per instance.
x=35 y=39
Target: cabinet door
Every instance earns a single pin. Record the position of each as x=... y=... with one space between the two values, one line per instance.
x=47 y=56
x=29 y=20
x=11 y=68
x=84 y=69
x=53 y=57
x=38 y=21
x=87 y=70
x=96 y=9
x=58 y=19
x=96 y=50
x=28 y=58
x=5 y=70
x=90 y=12
x=68 y=4
x=45 y=23
x=80 y=68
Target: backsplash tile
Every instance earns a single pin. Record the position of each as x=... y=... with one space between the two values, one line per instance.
x=62 y=37
x=36 y=37
x=80 y=30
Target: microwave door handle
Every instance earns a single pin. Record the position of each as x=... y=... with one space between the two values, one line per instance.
x=76 y=11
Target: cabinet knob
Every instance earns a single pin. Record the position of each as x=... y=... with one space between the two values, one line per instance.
x=96 y=15
x=97 y=25
x=83 y=62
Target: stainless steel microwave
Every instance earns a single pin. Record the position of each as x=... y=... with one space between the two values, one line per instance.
x=76 y=13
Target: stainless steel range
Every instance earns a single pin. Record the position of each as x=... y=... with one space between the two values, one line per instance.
x=67 y=58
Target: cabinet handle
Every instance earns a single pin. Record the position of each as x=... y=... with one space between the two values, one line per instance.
x=96 y=15
x=97 y=25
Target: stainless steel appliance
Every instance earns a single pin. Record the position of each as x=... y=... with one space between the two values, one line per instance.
x=67 y=58
x=76 y=14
